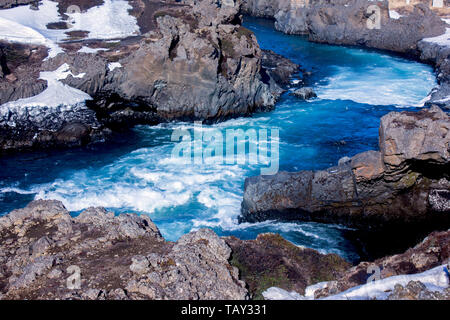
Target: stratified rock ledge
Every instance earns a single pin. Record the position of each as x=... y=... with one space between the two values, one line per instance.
x=406 y=182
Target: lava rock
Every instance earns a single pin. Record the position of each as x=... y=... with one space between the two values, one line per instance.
x=304 y=93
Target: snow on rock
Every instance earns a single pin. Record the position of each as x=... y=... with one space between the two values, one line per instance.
x=109 y=21
x=444 y=39
x=394 y=15
x=15 y=32
x=56 y=94
x=114 y=65
x=85 y=49
x=435 y=279
x=275 y=293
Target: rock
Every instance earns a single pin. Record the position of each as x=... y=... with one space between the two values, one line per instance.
x=304 y=93
x=55 y=273
x=439 y=200
x=401 y=184
x=368 y=166
x=271 y=260
x=139 y=264
x=416 y=290
x=433 y=251
x=345 y=22
x=279 y=68
x=11 y=77
x=418 y=136
x=117 y=257
x=41 y=246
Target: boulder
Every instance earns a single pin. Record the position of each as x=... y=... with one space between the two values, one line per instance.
x=305 y=93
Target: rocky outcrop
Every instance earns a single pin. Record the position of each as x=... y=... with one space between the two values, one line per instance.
x=271 y=260
x=47 y=254
x=305 y=93
x=191 y=46
x=433 y=251
x=407 y=181
x=346 y=22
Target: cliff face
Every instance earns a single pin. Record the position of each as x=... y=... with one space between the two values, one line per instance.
x=352 y=22
x=407 y=181
x=192 y=61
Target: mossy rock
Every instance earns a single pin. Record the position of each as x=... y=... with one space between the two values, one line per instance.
x=272 y=261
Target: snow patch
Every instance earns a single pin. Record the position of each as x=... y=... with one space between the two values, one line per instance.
x=114 y=65
x=108 y=21
x=275 y=293
x=56 y=94
x=394 y=15
x=85 y=49
x=435 y=279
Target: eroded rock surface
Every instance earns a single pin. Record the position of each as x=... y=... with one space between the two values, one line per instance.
x=433 y=251
x=117 y=257
x=407 y=181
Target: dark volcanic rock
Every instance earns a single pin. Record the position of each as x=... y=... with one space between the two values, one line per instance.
x=117 y=257
x=406 y=182
x=271 y=261
x=346 y=22
x=279 y=68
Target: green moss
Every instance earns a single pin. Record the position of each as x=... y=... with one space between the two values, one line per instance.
x=161 y=14
x=244 y=32
x=228 y=47
x=273 y=261
x=258 y=282
x=408 y=180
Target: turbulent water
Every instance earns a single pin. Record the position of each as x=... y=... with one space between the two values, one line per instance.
x=136 y=173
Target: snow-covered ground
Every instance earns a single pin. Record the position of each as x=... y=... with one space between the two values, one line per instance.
x=435 y=279
x=56 y=94
x=444 y=39
x=111 y=20
x=394 y=14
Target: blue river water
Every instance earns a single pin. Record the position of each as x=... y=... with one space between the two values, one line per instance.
x=136 y=173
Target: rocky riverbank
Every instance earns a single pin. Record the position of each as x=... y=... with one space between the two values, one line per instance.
x=405 y=182
x=84 y=86
x=416 y=30
x=47 y=254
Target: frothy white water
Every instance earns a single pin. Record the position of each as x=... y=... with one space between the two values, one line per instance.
x=401 y=84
